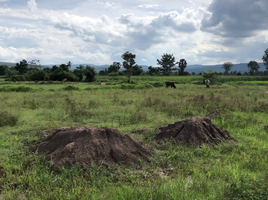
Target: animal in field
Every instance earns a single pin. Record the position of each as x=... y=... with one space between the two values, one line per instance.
x=64 y=80
x=207 y=82
x=170 y=84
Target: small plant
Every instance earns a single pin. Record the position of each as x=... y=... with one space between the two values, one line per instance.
x=70 y=87
x=8 y=119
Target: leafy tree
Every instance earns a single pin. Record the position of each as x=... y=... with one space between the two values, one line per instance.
x=3 y=69
x=182 y=66
x=227 y=66
x=128 y=63
x=104 y=72
x=153 y=71
x=59 y=74
x=167 y=63
x=65 y=67
x=47 y=70
x=54 y=68
x=193 y=73
x=253 y=67
x=90 y=74
x=38 y=75
x=79 y=72
x=22 y=67
x=211 y=75
x=35 y=63
x=137 y=70
x=114 y=67
x=265 y=58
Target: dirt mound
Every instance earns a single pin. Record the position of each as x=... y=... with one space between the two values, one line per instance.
x=194 y=131
x=87 y=145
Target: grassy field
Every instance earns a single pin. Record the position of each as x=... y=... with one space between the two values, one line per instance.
x=232 y=170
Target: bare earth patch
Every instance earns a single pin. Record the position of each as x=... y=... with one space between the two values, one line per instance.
x=88 y=145
x=194 y=131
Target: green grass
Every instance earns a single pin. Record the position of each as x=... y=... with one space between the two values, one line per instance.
x=232 y=170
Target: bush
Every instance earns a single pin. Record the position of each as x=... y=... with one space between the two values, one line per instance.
x=18 y=78
x=38 y=75
x=15 y=89
x=70 y=87
x=8 y=119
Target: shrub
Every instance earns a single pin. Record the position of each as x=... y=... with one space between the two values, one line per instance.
x=8 y=119
x=15 y=89
x=18 y=78
x=70 y=87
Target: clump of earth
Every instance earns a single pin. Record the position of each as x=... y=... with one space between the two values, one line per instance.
x=194 y=131
x=88 y=145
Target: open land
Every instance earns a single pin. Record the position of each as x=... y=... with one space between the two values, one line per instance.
x=228 y=170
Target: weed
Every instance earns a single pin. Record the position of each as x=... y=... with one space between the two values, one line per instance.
x=8 y=119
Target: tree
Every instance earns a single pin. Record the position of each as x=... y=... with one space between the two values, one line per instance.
x=227 y=66
x=167 y=63
x=128 y=63
x=153 y=71
x=35 y=63
x=38 y=75
x=137 y=70
x=22 y=67
x=79 y=72
x=211 y=75
x=65 y=67
x=182 y=66
x=104 y=72
x=3 y=69
x=90 y=74
x=253 y=67
x=265 y=58
x=114 y=67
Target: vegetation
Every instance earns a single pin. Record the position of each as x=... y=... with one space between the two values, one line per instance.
x=227 y=66
x=182 y=66
x=253 y=67
x=167 y=63
x=233 y=170
x=265 y=58
x=128 y=63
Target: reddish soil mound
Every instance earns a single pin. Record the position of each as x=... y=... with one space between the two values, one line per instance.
x=87 y=145
x=194 y=131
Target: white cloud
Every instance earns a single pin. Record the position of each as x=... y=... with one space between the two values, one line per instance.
x=149 y=6
x=101 y=31
x=32 y=5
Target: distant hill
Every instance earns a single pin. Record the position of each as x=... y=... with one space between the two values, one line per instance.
x=8 y=64
x=242 y=67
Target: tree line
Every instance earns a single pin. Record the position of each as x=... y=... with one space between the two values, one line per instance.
x=33 y=70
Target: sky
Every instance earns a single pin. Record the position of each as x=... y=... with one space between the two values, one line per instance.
x=99 y=32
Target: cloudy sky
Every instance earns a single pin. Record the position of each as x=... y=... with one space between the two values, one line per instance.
x=99 y=32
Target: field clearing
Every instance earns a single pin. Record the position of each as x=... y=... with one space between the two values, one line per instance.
x=231 y=170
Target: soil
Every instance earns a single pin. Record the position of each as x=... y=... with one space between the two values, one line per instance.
x=88 y=145
x=194 y=131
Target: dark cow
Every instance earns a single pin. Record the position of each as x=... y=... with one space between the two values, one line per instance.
x=171 y=84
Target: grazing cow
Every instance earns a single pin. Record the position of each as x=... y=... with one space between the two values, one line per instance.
x=64 y=80
x=103 y=83
x=207 y=82
x=171 y=84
